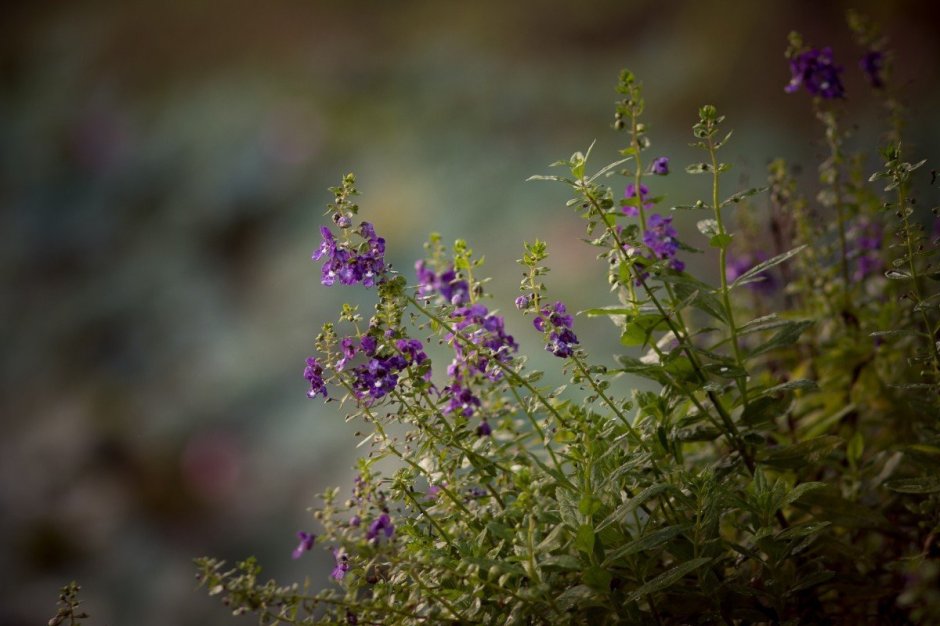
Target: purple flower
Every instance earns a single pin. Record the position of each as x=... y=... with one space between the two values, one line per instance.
x=631 y=193
x=348 y=264
x=382 y=523
x=461 y=401
x=562 y=343
x=660 y=167
x=368 y=344
x=379 y=376
x=522 y=303
x=872 y=64
x=305 y=545
x=660 y=238
x=435 y=490
x=815 y=70
x=484 y=429
x=561 y=340
x=342 y=564
x=355 y=521
x=313 y=372
x=452 y=289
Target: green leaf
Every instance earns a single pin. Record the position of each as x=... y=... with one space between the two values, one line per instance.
x=597 y=578
x=607 y=168
x=720 y=241
x=646 y=542
x=797 y=492
x=639 y=328
x=856 y=447
x=788 y=335
x=741 y=195
x=764 y=266
x=799 y=383
x=589 y=505
x=666 y=579
x=698 y=168
x=799 y=454
x=563 y=561
x=897 y=332
x=607 y=310
x=621 y=512
x=579 y=595
x=921 y=484
x=584 y=540
x=552 y=540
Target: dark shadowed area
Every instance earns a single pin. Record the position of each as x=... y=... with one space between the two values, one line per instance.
x=163 y=175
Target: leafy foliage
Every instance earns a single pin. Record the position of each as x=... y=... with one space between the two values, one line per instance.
x=783 y=472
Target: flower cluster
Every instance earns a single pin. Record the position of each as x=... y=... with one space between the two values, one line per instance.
x=350 y=264
x=313 y=372
x=630 y=192
x=475 y=350
x=556 y=321
x=815 y=70
x=378 y=376
x=454 y=290
x=660 y=238
x=383 y=523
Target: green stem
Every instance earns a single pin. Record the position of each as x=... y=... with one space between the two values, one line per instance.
x=723 y=270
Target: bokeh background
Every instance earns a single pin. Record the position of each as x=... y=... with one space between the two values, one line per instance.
x=163 y=173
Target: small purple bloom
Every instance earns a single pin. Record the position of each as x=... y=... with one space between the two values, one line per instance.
x=462 y=401
x=522 y=303
x=452 y=289
x=484 y=429
x=660 y=167
x=435 y=490
x=342 y=564
x=562 y=343
x=873 y=64
x=347 y=263
x=313 y=372
x=815 y=70
x=660 y=238
x=561 y=340
x=305 y=545
x=355 y=521
x=382 y=523
x=631 y=193
x=368 y=344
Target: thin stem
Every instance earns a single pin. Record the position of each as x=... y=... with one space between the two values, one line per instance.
x=723 y=268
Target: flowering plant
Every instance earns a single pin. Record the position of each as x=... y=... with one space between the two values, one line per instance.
x=783 y=471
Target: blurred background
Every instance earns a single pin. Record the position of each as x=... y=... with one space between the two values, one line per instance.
x=163 y=174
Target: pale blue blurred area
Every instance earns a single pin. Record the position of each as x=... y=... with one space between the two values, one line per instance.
x=163 y=175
